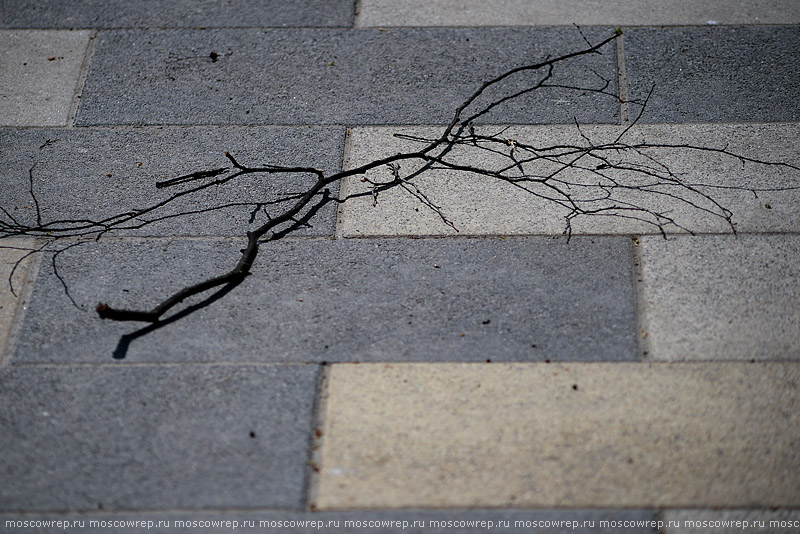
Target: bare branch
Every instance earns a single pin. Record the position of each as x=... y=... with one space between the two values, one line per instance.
x=585 y=178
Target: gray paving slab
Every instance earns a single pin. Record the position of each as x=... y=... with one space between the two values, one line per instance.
x=721 y=297
x=174 y=14
x=379 y=522
x=568 y=12
x=98 y=173
x=319 y=76
x=152 y=437
x=724 y=74
x=481 y=205
x=39 y=75
x=311 y=300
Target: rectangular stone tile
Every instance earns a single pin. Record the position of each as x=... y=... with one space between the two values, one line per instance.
x=524 y=299
x=13 y=277
x=567 y=435
x=568 y=12
x=39 y=75
x=730 y=521
x=732 y=74
x=351 y=522
x=317 y=76
x=477 y=204
x=180 y=13
x=98 y=173
x=721 y=297
x=116 y=438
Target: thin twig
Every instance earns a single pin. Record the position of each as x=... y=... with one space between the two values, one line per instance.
x=616 y=179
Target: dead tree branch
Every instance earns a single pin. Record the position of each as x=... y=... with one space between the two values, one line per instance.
x=616 y=178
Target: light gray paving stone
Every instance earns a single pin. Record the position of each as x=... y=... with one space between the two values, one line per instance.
x=121 y=438
x=721 y=297
x=39 y=74
x=621 y=434
x=730 y=521
x=180 y=14
x=96 y=173
x=480 y=205
x=379 y=522
x=581 y=12
x=519 y=299
x=715 y=74
x=318 y=76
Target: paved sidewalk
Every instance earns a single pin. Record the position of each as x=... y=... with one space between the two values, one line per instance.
x=379 y=371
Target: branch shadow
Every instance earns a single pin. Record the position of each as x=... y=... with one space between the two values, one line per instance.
x=123 y=345
x=121 y=351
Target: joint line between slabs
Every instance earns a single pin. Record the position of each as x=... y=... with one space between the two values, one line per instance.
x=317 y=437
x=83 y=75
x=356 y=14
x=639 y=301
x=20 y=307
x=622 y=81
x=340 y=206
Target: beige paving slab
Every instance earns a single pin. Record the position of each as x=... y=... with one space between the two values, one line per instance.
x=721 y=297
x=731 y=521
x=12 y=282
x=561 y=435
x=568 y=12
x=481 y=205
x=39 y=74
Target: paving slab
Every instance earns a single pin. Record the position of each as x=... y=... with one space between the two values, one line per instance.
x=721 y=297
x=39 y=75
x=730 y=74
x=379 y=522
x=565 y=13
x=730 y=521
x=116 y=438
x=13 y=278
x=567 y=435
x=97 y=173
x=481 y=205
x=176 y=14
x=312 y=300
x=321 y=76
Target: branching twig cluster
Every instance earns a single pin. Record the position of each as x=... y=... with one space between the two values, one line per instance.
x=613 y=178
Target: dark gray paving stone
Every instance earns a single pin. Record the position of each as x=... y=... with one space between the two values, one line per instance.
x=311 y=300
x=175 y=13
x=378 y=522
x=72 y=168
x=744 y=73
x=154 y=437
x=288 y=76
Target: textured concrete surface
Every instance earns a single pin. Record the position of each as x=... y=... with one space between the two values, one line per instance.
x=612 y=445
x=478 y=204
x=89 y=438
x=98 y=173
x=664 y=435
x=13 y=278
x=730 y=74
x=569 y=12
x=731 y=521
x=522 y=299
x=180 y=13
x=721 y=297
x=378 y=522
x=39 y=75
x=310 y=76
